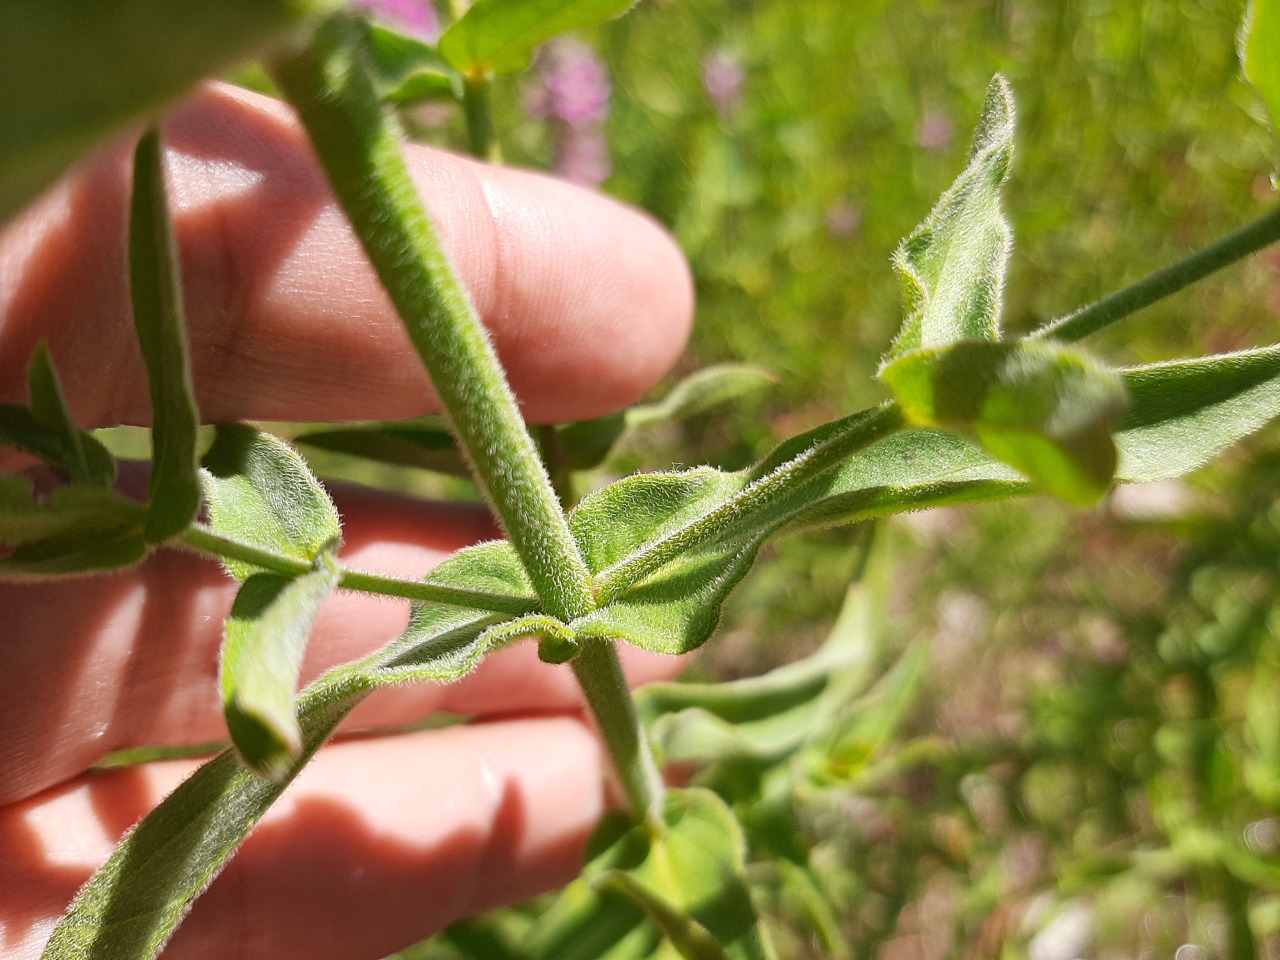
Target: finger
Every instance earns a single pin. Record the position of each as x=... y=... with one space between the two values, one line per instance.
x=102 y=664
x=588 y=302
x=377 y=844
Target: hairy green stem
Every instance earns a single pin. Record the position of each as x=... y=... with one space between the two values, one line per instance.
x=205 y=541
x=1168 y=280
x=599 y=673
x=358 y=143
x=757 y=497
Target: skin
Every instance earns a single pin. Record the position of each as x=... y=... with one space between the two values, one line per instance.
x=381 y=840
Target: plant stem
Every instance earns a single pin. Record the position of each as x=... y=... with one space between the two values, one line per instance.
x=205 y=541
x=763 y=494
x=475 y=105
x=358 y=143
x=599 y=673
x=1168 y=280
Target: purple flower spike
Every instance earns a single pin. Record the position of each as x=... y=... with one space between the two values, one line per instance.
x=576 y=82
x=572 y=94
x=416 y=17
x=722 y=78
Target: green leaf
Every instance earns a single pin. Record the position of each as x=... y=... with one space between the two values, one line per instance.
x=425 y=444
x=688 y=880
x=19 y=428
x=260 y=492
x=677 y=608
x=702 y=391
x=266 y=636
x=133 y=904
x=156 y=287
x=1185 y=412
x=407 y=69
x=72 y=508
x=1260 y=52
x=83 y=457
x=1044 y=409
x=75 y=552
x=500 y=36
x=952 y=266
x=766 y=718
x=588 y=443
x=445 y=641
x=59 y=97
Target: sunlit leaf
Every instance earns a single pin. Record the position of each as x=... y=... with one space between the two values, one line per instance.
x=952 y=266
x=677 y=608
x=59 y=97
x=445 y=641
x=266 y=636
x=260 y=492
x=1260 y=52
x=83 y=457
x=500 y=36
x=1185 y=412
x=1043 y=409
x=158 y=317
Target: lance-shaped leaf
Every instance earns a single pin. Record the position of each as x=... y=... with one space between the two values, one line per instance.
x=686 y=880
x=83 y=457
x=134 y=903
x=1185 y=412
x=767 y=718
x=75 y=553
x=952 y=266
x=1043 y=409
x=159 y=321
x=260 y=492
x=445 y=641
x=425 y=444
x=59 y=99
x=1260 y=52
x=1180 y=415
x=587 y=444
x=500 y=36
x=131 y=906
x=702 y=391
x=407 y=69
x=266 y=636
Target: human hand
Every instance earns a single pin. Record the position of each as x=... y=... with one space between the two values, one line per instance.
x=380 y=840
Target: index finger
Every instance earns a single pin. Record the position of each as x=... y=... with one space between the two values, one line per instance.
x=589 y=302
